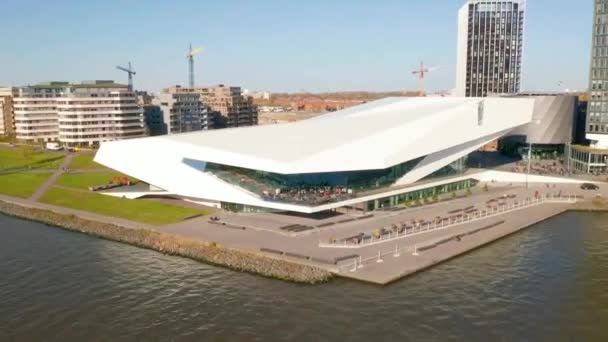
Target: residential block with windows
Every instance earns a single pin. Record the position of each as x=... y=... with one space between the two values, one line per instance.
x=232 y=108
x=177 y=110
x=6 y=111
x=35 y=110
x=96 y=111
x=83 y=114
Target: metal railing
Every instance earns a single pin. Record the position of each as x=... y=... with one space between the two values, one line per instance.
x=360 y=262
x=433 y=225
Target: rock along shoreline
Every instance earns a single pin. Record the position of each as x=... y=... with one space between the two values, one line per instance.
x=206 y=252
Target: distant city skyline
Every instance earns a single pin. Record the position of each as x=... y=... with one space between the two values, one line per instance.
x=275 y=45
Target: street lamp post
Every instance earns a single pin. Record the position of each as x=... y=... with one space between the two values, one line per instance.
x=529 y=162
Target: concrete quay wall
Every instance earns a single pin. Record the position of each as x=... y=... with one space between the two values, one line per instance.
x=207 y=252
x=460 y=243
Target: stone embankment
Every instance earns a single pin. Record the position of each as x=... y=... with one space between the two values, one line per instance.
x=598 y=204
x=208 y=252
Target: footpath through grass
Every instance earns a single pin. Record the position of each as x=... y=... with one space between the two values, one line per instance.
x=145 y=211
x=85 y=161
x=26 y=157
x=22 y=184
x=85 y=180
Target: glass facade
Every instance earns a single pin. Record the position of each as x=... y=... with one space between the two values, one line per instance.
x=542 y=152
x=242 y=208
x=584 y=159
x=314 y=189
x=494 y=47
x=455 y=168
x=382 y=203
x=597 y=110
x=417 y=195
x=310 y=188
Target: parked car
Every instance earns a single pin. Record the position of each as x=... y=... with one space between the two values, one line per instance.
x=53 y=146
x=589 y=186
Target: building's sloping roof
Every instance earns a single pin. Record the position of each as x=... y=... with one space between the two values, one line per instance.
x=374 y=135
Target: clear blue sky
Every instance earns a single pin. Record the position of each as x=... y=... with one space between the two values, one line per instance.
x=312 y=45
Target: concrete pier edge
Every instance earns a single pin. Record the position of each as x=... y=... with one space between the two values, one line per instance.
x=234 y=259
x=198 y=250
x=437 y=262
x=578 y=207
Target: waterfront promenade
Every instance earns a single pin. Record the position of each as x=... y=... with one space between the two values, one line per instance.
x=377 y=247
x=380 y=262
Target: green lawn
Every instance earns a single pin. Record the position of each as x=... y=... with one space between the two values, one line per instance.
x=26 y=157
x=146 y=211
x=21 y=184
x=85 y=161
x=85 y=180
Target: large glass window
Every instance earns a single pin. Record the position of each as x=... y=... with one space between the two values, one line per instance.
x=313 y=189
x=307 y=188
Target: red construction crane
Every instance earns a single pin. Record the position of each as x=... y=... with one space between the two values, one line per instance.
x=421 y=72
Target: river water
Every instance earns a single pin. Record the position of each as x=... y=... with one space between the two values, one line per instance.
x=547 y=283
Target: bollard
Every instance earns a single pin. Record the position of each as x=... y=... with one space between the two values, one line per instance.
x=379 y=260
x=360 y=265
x=415 y=251
x=396 y=255
x=354 y=266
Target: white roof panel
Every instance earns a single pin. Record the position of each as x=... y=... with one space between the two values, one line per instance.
x=374 y=135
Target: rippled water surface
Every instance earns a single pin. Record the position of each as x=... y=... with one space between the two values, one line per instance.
x=546 y=283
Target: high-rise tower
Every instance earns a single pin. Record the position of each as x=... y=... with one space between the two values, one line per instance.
x=490 y=47
x=597 y=109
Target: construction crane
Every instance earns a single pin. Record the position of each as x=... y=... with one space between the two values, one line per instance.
x=190 y=56
x=129 y=70
x=421 y=73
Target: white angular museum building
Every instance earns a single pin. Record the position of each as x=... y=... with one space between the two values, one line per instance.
x=376 y=155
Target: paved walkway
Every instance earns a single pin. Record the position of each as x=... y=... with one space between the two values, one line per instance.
x=395 y=266
x=49 y=182
x=8 y=172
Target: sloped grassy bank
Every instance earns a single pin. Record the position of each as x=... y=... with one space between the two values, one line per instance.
x=208 y=252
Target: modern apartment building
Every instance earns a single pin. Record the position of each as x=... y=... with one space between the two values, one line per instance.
x=35 y=111
x=83 y=114
x=181 y=112
x=6 y=111
x=232 y=108
x=96 y=111
x=490 y=47
x=597 y=110
x=153 y=120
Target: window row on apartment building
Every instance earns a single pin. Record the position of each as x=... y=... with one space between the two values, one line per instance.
x=185 y=109
x=83 y=114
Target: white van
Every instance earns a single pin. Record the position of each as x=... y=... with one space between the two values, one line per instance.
x=53 y=146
